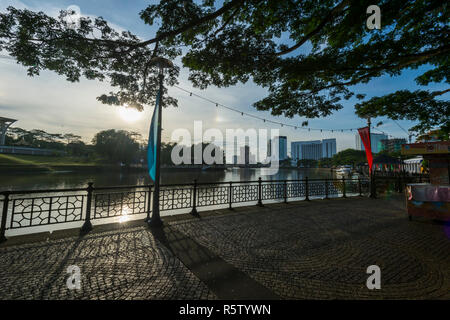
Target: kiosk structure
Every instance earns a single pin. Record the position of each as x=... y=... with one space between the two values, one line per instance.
x=432 y=199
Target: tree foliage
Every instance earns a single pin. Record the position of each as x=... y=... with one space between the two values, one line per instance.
x=308 y=54
x=349 y=157
x=116 y=145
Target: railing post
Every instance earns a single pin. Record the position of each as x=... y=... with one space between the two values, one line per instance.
x=87 y=226
x=230 y=195
x=260 y=192
x=194 y=199
x=306 y=189
x=359 y=186
x=373 y=187
x=326 y=189
x=149 y=204
x=344 y=194
x=285 y=191
x=4 y=217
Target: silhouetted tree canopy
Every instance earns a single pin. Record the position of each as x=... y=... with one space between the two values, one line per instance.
x=307 y=53
x=116 y=145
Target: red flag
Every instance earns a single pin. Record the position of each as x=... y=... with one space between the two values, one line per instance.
x=365 y=137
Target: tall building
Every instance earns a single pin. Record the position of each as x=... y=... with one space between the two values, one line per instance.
x=314 y=150
x=392 y=145
x=375 y=141
x=282 y=147
x=328 y=148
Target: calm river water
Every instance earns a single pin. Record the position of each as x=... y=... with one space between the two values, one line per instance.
x=32 y=181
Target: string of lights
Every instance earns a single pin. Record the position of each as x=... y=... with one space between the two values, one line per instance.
x=282 y=124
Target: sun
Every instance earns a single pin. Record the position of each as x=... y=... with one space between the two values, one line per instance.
x=129 y=114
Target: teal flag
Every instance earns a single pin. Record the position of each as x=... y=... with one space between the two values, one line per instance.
x=152 y=141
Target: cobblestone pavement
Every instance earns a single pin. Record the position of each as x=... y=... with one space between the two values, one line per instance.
x=317 y=250
x=322 y=250
x=125 y=264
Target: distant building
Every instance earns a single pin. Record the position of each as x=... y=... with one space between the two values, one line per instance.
x=282 y=147
x=313 y=150
x=244 y=156
x=375 y=142
x=392 y=145
x=328 y=148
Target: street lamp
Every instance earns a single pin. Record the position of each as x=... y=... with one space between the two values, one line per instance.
x=161 y=64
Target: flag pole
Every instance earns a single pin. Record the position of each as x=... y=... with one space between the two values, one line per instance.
x=155 y=220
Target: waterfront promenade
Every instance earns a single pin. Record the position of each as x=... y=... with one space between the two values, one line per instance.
x=301 y=250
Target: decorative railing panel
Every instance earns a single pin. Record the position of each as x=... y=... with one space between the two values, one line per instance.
x=175 y=198
x=245 y=193
x=37 y=211
x=296 y=189
x=272 y=191
x=213 y=195
x=113 y=204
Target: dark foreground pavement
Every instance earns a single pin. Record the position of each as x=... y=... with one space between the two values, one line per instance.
x=306 y=250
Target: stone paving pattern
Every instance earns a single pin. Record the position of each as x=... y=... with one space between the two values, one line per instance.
x=126 y=264
x=321 y=250
x=316 y=250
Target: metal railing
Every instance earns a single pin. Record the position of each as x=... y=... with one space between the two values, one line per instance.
x=34 y=208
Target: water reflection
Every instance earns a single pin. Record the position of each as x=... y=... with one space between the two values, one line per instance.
x=60 y=180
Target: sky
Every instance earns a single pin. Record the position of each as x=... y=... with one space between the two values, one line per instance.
x=51 y=103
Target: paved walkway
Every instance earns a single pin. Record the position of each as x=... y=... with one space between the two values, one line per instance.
x=315 y=250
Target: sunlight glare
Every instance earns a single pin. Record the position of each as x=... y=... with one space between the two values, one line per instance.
x=129 y=114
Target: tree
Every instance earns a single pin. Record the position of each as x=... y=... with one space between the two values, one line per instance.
x=71 y=138
x=307 y=163
x=349 y=157
x=116 y=145
x=329 y=50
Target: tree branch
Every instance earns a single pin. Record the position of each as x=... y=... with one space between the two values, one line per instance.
x=330 y=16
x=192 y=24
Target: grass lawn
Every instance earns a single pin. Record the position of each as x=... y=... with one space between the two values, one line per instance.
x=29 y=160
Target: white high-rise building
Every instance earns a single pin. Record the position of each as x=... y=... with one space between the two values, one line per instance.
x=375 y=142
x=314 y=150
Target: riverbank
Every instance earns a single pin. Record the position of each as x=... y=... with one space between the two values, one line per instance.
x=21 y=164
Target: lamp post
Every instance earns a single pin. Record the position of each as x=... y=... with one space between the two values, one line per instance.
x=161 y=64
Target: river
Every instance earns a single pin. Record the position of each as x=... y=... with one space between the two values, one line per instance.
x=61 y=180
